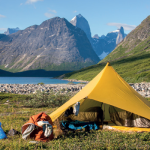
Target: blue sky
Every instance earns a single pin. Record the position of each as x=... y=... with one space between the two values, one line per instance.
x=103 y=15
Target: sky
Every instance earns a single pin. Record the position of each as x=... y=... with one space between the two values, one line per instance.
x=103 y=16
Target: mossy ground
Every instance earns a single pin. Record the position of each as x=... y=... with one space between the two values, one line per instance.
x=13 y=115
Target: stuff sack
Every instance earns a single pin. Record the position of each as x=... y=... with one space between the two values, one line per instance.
x=39 y=127
x=2 y=133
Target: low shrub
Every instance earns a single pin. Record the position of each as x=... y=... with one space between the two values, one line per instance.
x=51 y=99
x=71 y=83
x=41 y=83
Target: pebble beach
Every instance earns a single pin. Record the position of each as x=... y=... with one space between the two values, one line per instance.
x=142 y=88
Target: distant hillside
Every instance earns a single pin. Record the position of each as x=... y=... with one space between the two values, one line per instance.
x=33 y=73
x=131 y=58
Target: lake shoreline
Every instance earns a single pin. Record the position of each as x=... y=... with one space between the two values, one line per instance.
x=32 y=80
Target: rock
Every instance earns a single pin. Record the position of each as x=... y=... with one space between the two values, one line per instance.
x=13 y=132
x=7 y=101
x=143 y=89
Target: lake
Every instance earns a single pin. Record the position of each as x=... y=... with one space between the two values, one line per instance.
x=31 y=80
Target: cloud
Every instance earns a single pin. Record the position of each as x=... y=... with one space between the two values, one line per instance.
x=32 y=1
x=54 y=11
x=125 y=26
x=3 y=29
x=74 y=11
x=2 y=16
x=49 y=15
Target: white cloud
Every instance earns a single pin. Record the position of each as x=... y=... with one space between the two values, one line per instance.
x=49 y=15
x=2 y=16
x=54 y=11
x=21 y=4
x=74 y=11
x=3 y=29
x=32 y=1
x=125 y=26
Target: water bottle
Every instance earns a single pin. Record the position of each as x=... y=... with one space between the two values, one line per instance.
x=2 y=133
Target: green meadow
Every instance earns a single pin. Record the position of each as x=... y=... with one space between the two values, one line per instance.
x=20 y=107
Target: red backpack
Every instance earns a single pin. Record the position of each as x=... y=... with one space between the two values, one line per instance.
x=37 y=132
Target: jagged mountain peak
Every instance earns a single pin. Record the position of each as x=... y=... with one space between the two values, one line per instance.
x=121 y=30
x=96 y=36
x=80 y=22
x=77 y=16
x=120 y=36
x=11 y=30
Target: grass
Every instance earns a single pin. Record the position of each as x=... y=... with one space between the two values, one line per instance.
x=14 y=114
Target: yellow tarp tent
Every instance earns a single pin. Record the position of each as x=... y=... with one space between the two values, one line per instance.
x=108 y=87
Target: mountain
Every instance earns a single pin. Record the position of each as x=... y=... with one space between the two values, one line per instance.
x=11 y=30
x=131 y=57
x=80 y=22
x=120 y=36
x=105 y=44
x=96 y=36
x=102 y=45
x=53 y=45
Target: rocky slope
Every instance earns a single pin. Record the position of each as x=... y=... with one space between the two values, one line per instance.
x=54 y=45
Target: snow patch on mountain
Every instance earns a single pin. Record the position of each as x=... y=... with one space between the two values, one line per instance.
x=103 y=55
x=116 y=31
